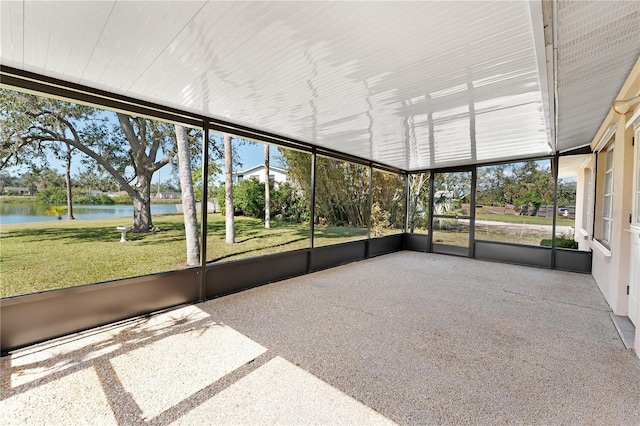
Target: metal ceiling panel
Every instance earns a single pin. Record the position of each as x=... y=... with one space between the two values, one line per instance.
x=60 y=37
x=12 y=33
x=132 y=39
x=414 y=85
x=355 y=77
x=598 y=43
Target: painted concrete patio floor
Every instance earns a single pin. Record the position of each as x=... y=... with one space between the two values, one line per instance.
x=411 y=338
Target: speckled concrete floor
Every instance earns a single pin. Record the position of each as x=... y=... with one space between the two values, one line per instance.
x=411 y=338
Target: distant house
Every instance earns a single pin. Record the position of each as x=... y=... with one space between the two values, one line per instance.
x=168 y=195
x=15 y=190
x=276 y=174
x=117 y=194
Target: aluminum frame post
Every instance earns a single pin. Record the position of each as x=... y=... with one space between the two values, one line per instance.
x=203 y=211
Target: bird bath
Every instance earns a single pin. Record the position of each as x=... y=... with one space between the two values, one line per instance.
x=123 y=232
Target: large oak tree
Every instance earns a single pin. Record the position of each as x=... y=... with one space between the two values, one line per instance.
x=32 y=127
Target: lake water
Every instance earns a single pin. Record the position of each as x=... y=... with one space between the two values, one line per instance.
x=34 y=212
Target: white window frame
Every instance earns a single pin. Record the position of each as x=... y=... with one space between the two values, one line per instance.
x=607 y=198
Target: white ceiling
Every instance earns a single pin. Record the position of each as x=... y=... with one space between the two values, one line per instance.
x=414 y=85
x=598 y=44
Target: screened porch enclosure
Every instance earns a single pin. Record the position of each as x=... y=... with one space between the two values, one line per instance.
x=355 y=209
x=459 y=128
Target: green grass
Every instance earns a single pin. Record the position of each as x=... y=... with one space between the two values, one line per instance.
x=530 y=220
x=461 y=238
x=17 y=199
x=55 y=254
x=58 y=253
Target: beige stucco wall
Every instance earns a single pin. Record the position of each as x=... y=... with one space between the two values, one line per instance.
x=582 y=204
x=612 y=273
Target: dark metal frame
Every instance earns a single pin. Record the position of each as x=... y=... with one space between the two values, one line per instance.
x=527 y=255
x=446 y=248
x=33 y=318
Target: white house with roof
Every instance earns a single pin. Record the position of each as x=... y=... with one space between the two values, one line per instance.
x=276 y=174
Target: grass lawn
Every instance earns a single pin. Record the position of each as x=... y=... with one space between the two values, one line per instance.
x=55 y=254
x=530 y=220
x=48 y=255
x=461 y=238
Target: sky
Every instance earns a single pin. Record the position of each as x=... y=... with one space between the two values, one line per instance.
x=249 y=154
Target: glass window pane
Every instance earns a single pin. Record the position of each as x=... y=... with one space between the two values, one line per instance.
x=261 y=224
x=387 y=203
x=451 y=203
x=607 y=197
x=607 y=204
x=128 y=190
x=608 y=182
x=608 y=159
x=419 y=188
x=569 y=167
x=514 y=203
x=342 y=198
x=606 y=231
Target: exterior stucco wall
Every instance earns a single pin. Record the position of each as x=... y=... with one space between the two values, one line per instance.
x=584 y=182
x=612 y=273
x=258 y=173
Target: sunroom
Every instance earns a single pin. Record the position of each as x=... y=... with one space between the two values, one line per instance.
x=461 y=131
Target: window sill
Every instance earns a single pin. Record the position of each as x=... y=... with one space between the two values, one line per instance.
x=595 y=244
x=584 y=233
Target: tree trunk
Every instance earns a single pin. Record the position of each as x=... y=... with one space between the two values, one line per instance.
x=188 y=199
x=412 y=219
x=267 y=195
x=67 y=180
x=142 y=204
x=228 y=191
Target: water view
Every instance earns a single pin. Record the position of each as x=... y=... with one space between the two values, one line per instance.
x=35 y=212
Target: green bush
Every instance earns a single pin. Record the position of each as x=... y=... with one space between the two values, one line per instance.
x=52 y=196
x=59 y=196
x=286 y=202
x=220 y=198
x=379 y=219
x=122 y=199
x=248 y=198
x=561 y=242
x=86 y=200
x=103 y=199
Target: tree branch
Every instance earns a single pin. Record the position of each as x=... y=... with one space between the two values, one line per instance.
x=129 y=131
x=90 y=153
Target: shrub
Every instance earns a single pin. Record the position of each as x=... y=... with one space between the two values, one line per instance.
x=85 y=199
x=122 y=199
x=57 y=211
x=59 y=196
x=286 y=203
x=104 y=199
x=52 y=196
x=561 y=242
x=379 y=219
x=248 y=198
